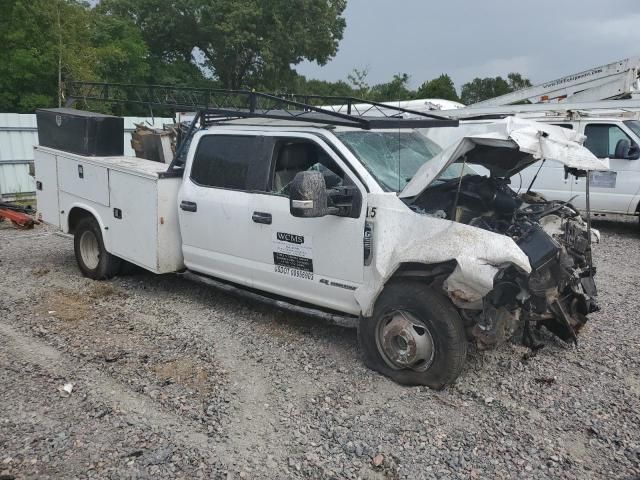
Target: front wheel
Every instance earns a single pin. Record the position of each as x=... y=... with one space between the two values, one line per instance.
x=415 y=336
x=93 y=259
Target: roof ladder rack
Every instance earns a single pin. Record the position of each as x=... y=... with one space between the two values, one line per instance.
x=211 y=104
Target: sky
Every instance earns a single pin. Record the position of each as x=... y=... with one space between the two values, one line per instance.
x=542 y=39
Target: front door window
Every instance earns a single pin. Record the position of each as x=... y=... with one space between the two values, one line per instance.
x=603 y=139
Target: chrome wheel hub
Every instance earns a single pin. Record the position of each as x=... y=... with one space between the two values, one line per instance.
x=90 y=249
x=405 y=341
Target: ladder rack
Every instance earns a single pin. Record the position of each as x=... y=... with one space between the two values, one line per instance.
x=214 y=105
x=227 y=104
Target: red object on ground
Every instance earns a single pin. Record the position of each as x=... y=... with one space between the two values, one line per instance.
x=19 y=219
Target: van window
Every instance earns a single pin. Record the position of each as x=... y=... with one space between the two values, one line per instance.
x=230 y=161
x=564 y=125
x=603 y=138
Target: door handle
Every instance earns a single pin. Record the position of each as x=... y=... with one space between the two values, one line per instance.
x=188 y=206
x=261 y=217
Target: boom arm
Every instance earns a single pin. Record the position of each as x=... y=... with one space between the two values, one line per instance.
x=614 y=80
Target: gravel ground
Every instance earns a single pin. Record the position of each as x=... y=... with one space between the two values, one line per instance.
x=175 y=380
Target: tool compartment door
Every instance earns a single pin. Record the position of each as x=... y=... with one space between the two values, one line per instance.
x=47 y=187
x=133 y=222
x=84 y=180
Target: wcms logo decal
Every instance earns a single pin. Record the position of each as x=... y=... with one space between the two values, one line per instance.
x=290 y=237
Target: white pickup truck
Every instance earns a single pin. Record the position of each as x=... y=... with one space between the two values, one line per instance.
x=377 y=226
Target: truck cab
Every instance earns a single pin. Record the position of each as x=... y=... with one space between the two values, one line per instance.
x=235 y=213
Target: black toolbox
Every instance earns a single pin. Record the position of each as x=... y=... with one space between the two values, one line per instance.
x=77 y=131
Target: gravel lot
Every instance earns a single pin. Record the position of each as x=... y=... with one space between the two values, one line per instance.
x=173 y=379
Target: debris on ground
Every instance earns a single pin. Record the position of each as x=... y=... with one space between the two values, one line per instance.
x=171 y=379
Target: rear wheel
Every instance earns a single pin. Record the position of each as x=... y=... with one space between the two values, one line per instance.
x=93 y=259
x=415 y=336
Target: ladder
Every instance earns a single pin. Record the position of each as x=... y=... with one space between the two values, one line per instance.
x=612 y=81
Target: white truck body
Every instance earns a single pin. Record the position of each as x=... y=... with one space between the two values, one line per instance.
x=147 y=234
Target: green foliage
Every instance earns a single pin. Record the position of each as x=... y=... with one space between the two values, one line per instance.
x=485 y=88
x=358 y=79
x=120 y=54
x=29 y=35
x=209 y=43
x=396 y=89
x=517 y=82
x=303 y=86
x=41 y=36
x=243 y=43
x=441 y=87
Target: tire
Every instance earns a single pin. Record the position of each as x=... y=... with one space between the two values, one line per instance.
x=415 y=336
x=93 y=259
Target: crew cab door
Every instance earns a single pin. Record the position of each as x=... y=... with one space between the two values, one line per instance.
x=215 y=204
x=315 y=260
x=610 y=191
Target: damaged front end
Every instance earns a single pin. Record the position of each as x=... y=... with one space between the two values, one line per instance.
x=558 y=293
x=469 y=183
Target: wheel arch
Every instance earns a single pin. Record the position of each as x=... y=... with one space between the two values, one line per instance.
x=78 y=212
x=429 y=273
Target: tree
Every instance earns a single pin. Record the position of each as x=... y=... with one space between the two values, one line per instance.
x=358 y=80
x=39 y=38
x=441 y=87
x=485 y=88
x=47 y=40
x=302 y=85
x=242 y=43
x=119 y=51
x=517 y=82
x=396 y=89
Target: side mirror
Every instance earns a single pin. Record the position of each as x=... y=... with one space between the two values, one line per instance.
x=634 y=152
x=622 y=148
x=308 y=195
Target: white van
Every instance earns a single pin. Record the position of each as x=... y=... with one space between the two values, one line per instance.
x=616 y=137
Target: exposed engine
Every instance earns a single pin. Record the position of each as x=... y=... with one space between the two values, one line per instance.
x=559 y=292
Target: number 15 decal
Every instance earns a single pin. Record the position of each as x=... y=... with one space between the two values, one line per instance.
x=371 y=212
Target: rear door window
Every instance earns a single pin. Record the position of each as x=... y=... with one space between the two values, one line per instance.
x=236 y=162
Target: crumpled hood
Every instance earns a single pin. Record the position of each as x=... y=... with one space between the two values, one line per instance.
x=505 y=147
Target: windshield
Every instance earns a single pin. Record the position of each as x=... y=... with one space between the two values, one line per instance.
x=634 y=125
x=392 y=157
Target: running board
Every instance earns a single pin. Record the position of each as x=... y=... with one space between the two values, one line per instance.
x=333 y=318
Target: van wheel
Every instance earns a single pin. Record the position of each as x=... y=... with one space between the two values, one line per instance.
x=93 y=259
x=415 y=336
